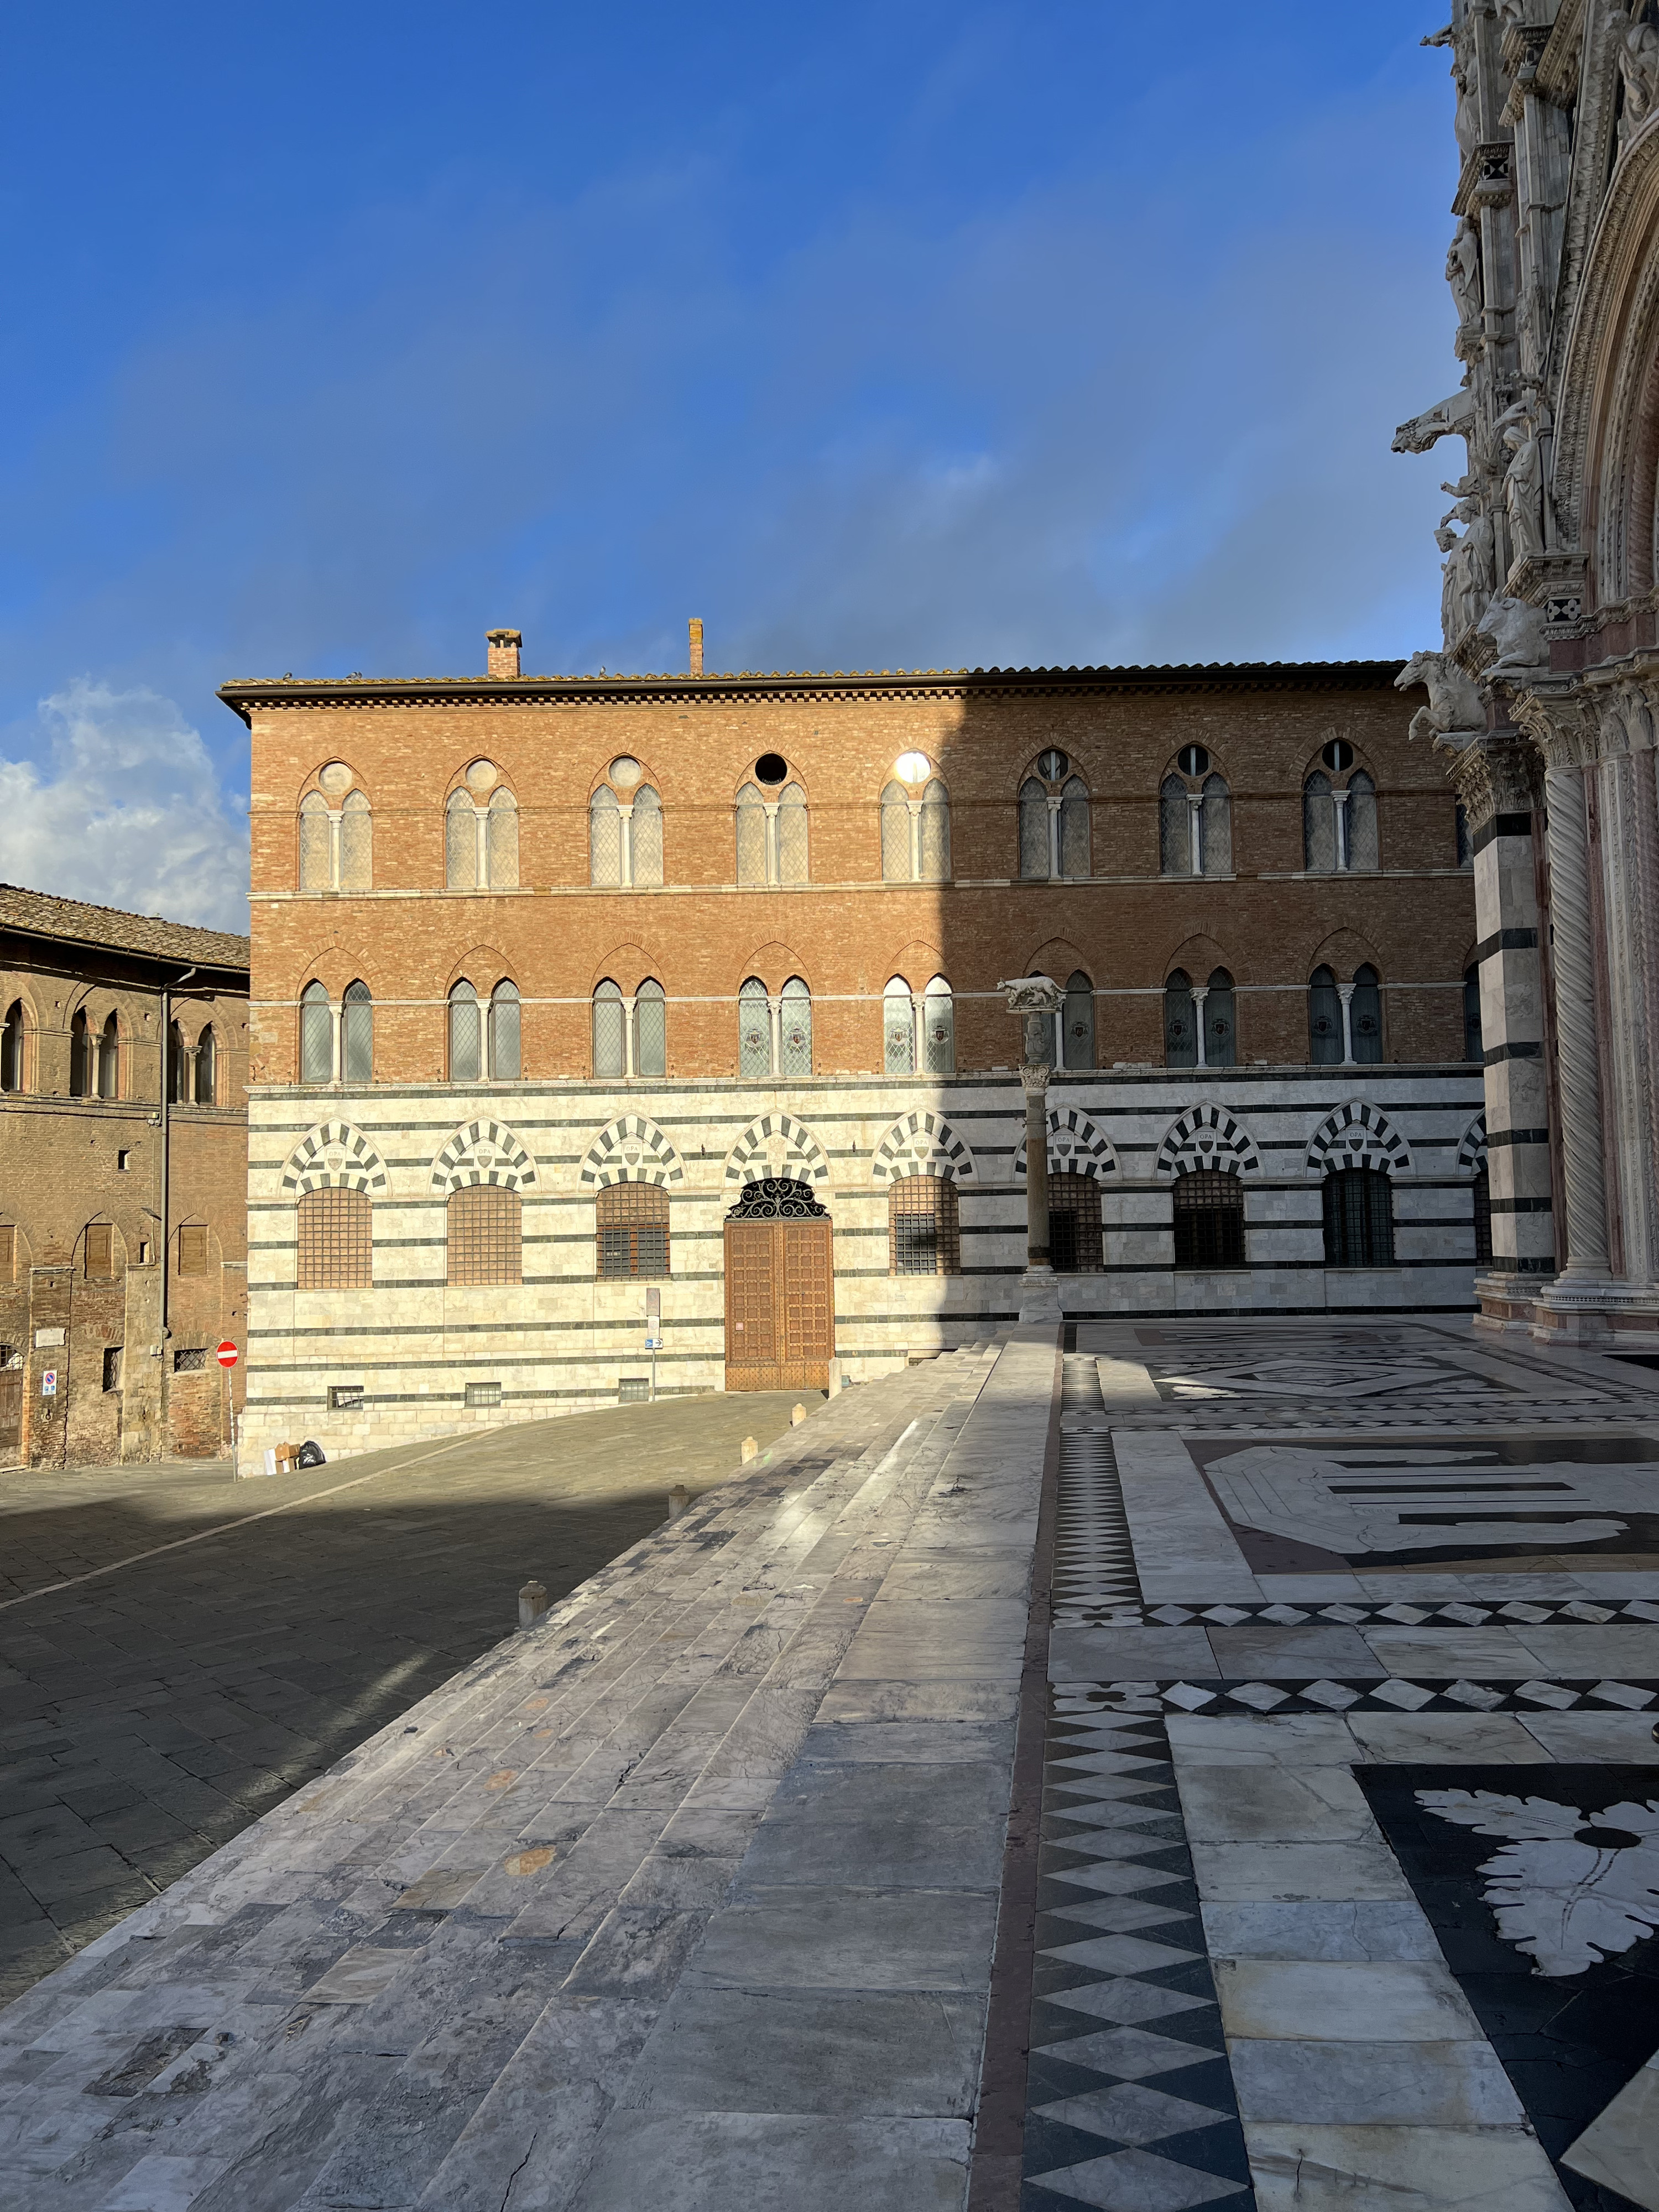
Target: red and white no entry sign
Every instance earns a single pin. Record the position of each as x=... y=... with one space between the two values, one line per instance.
x=226 y=1355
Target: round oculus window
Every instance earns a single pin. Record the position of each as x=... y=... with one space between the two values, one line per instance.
x=1194 y=761
x=771 y=768
x=482 y=775
x=1338 y=755
x=1052 y=766
x=912 y=768
x=626 y=772
x=337 y=776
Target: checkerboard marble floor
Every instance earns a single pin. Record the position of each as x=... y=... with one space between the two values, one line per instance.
x=1305 y=1937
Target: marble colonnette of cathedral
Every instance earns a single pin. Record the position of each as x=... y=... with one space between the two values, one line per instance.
x=1075 y=832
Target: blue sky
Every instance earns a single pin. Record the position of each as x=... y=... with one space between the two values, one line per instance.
x=911 y=334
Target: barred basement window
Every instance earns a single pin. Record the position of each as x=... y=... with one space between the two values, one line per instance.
x=190 y=1362
x=630 y=1227
x=1209 y=1219
x=485 y=1235
x=335 y=1228
x=100 y=1249
x=484 y=1393
x=193 y=1249
x=345 y=1397
x=1358 y=1219
x=633 y=1389
x=1075 y=1244
x=923 y=1232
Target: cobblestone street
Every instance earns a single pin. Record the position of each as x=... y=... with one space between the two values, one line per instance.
x=149 y=1713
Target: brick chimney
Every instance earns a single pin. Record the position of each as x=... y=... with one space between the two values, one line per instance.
x=504 y=651
x=696 y=645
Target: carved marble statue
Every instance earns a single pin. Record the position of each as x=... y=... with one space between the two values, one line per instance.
x=1450 y=416
x=1638 y=65
x=1518 y=630
x=1523 y=480
x=1468 y=581
x=1455 y=710
x=1463 y=273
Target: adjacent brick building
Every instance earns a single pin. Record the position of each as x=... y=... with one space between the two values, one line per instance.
x=548 y=971
x=102 y=1356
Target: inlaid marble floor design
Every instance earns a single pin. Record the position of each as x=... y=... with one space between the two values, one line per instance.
x=1380 y=1569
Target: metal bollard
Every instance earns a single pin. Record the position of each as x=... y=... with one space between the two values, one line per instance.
x=532 y=1605
x=748 y=1448
x=678 y=1498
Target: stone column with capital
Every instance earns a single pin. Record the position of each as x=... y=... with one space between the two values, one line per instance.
x=1036 y=1000
x=1577 y=1050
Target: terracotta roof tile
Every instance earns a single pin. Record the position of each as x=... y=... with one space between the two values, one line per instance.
x=44 y=915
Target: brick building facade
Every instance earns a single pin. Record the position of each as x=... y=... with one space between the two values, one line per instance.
x=102 y=1358
x=548 y=971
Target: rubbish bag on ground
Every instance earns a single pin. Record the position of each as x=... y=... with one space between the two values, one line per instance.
x=310 y=1454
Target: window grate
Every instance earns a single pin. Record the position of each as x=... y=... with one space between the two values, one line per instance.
x=345 y=1397
x=484 y=1394
x=1075 y=1241
x=1358 y=1219
x=485 y=1237
x=633 y=1389
x=923 y=1232
x=631 y=1229
x=191 y=1360
x=335 y=1228
x=1209 y=1219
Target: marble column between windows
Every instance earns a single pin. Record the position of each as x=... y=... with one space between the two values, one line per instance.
x=1034 y=1080
x=1344 y=993
x=1200 y=992
x=1577 y=1055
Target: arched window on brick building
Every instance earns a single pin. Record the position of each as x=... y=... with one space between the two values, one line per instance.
x=1054 y=821
x=83 y=1081
x=206 y=1064
x=337 y=834
x=1195 y=822
x=624 y=818
x=316 y=1035
x=898 y=1029
x=357 y=1034
x=1077 y=1023
x=916 y=824
x=14 y=1041
x=1339 y=813
x=939 y=1029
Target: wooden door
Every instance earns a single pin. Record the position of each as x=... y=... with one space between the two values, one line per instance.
x=779 y=1305
x=11 y=1415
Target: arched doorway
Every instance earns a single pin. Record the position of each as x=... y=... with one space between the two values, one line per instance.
x=780 y=1289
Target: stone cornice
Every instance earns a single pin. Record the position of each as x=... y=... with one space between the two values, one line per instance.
x=247 y=696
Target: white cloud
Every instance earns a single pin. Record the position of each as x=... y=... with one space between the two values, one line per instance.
x=129 y=812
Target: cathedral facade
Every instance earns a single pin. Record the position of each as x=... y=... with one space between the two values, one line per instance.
x=622 y=1033
x=1542 y=697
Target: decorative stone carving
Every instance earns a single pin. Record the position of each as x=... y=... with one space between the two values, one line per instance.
x=922 y=1143
x=1467 y=579
x=1076 y=1146
x=1520 y=431
x=631 y=1148
x=773 y=1144
x=482 y=1152
x=1207 y=1136
x=1518 y=630
x=1463 y=275
x=1455 y=706
x=1638 y=66
x=1449 y=416
x=1357 y=1135
x=334 y=1156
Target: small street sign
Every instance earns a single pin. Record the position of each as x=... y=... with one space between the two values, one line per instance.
x=49 y=1383
x=226 y=1355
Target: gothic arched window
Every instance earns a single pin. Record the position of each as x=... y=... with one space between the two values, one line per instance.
x=939 y=1029
x=934 y=835
x=650 y=1030
x=605 y=839
x=1324 y=1019
x=316 y=1035
x=1077 y=1033
x=501 y=842
x=1033 y=831
x=898 y=1029
x=791 y=836
x=357 y=1035
x=109 y=1061
x=646 y=839
x=753 y=1029
x=13 y=1038
x=752 y=868
x=1195 y=834
x=316 y=844
x=1339 y=813
x=357 y=844
x=609 y=1040
x=460 y=843
x=81 y=1083
x=795 y=1029
x=1179 y=1037
x=1054 y=820
x=465 y=1028
x=505 y=1044
x=1365 y=1016
x=894 y=834
x=1219 y=1030
x=175 y=1064
x=337 y=834
x=206 y=1071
